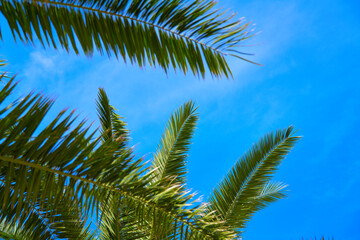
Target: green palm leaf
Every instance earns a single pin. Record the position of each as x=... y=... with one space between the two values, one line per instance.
x=117 y=222
x=113 y=126
x=189 y=35
x=53 y=220
x=14 y=232
x=51 y=182
x=64 y=162
x=246 y=188
x=170 y=158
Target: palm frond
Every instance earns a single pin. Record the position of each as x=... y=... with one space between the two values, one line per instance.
x=113 y=126
x=14 y=232
x=189 y=35
x=170 y=158
x=117 y=222
x=64 y=162
x=246 y=188
x=60 y=220
x=269 y=193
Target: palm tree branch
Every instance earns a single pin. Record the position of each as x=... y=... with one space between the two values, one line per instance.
x=128 y=194
x=45 y=221
x=244 y=185
x=248 y=179
x=113 y=127
x=130 y=18
x=184 y=41
x=63 y=160
x=175 y=144
x=243 y=189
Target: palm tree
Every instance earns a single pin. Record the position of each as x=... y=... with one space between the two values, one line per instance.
x=63 y=181
x=185 y=35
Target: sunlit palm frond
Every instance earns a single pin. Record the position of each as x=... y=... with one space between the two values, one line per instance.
x=246 y=188
x=189 y=35
x=170 y=158
x=65 y=162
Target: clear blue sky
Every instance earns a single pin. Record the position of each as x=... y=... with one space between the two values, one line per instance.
x=310 y=51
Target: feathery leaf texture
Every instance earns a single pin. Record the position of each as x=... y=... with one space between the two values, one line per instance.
x=188 y=35
x=246 y=188
x=53 y=179
x=63 y=163
x=113 y=126
x=170 y=159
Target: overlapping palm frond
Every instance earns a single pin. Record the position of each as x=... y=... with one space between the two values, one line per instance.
x=65 y=163
x=51 y=182
x=14 y=232
x=189 y=35
x=119 y=222
x=116 y=221
x=170 y=158
x=65 y=220
x=246 y=188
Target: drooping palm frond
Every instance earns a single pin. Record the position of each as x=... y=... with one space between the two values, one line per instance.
x=173 y=34
x=63 y=162
x=170 y=158
x=246 y=188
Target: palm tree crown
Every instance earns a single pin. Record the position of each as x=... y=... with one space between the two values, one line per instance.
x=63 y=181
x=189 y=35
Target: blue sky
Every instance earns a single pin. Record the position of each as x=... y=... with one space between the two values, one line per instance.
x=310 y=51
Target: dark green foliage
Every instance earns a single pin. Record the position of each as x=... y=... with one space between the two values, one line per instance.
x=189 y=35
x=53 y=181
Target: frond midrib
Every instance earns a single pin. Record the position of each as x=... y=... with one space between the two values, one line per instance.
x=127 y=194
x=131 y=18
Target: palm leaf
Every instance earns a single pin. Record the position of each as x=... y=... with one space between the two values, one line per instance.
x=246 y=188
x=170 y=158
x=14 y=232
x=113 y=126
x=60 y=220
x=64 y=162
x=117 y=222
x=189 y=35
